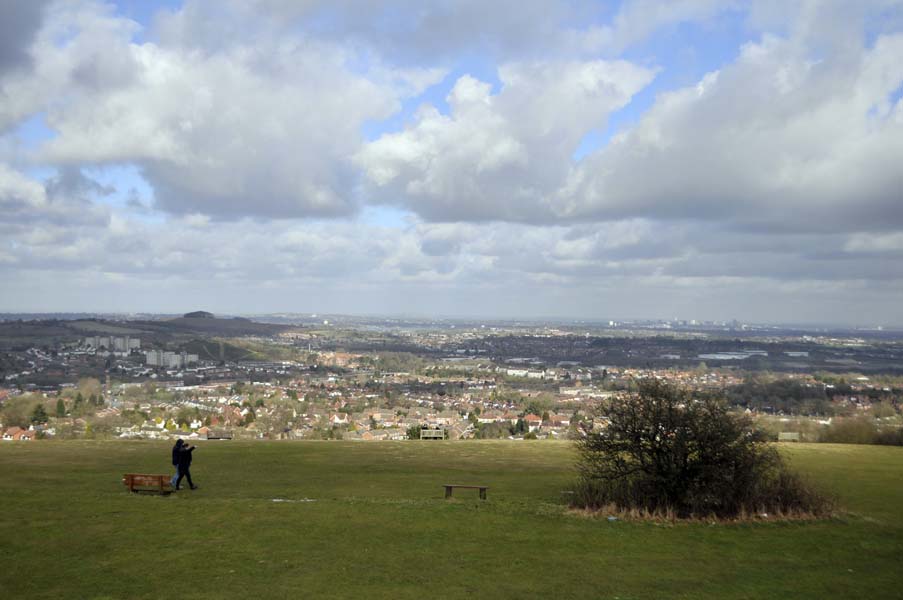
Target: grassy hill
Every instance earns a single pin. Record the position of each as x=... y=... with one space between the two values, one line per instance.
x=369 y=520
x=22 y=334
x=214 y=326
x=218 y=350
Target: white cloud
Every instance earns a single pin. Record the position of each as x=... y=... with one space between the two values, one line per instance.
x=778 y=139
x=500 y=156
x=775 y=177
x=256 y=126
x=879 y=243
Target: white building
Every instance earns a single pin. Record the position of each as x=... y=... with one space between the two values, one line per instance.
x=170 y=360
x=154 y=358
x=119 y=345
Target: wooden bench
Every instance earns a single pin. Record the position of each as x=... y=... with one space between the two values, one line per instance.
x=142 y=482
x=450 y=487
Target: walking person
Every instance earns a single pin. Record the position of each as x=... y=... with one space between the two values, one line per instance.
x=175 y=461
x=185 y=465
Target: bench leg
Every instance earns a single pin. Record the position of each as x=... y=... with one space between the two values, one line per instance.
x=482 y=493
x=448 y=491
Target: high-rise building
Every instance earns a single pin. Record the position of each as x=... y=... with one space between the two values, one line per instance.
x=120 y=345
x=169 y=360
x=154 y=358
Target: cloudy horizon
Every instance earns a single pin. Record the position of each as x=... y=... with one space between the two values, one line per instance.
x=696 y=159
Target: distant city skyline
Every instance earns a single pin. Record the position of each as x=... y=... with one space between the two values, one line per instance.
x=698 y=159
x=474 y=319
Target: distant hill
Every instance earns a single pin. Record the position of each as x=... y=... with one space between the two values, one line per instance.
x=210 y=325
x=22 y=334
x=218 y=350
x=198 y=314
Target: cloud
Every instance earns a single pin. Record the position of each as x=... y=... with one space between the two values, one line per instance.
x=260 y=126
x=62 y=200
x=636 y=20
x=19 y=22
x=769 y=184
x=808 y=123
x=411 y=32
x=80 y=48
x=634 y=267
x=499 y=156
x=776 y=140
x=407 y=31
x=876 y=243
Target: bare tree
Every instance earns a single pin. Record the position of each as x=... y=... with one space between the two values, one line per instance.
x=666 y=450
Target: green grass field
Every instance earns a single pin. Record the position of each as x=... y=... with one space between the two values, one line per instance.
x=378 y=526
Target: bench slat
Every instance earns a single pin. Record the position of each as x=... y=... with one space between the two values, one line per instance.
x=147 y=482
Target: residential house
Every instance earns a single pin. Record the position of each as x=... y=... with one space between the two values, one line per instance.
x=559 y=420
x=395 y=433
x=534 y=422
x=490 y=416
x=12 y=433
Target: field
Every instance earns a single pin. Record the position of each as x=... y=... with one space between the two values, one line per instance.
x=369 y=520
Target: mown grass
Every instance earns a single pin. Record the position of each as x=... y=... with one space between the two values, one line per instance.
x=379 y=527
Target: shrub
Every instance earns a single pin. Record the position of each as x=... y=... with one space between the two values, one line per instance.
x=861 y=430
x=856 y=430
x=889 y=437
x=666 y=452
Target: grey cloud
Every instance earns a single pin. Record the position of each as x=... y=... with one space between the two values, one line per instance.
x=306 y=262
x=413 y=30
x=135 y=201
x=782 y=267
x=439 y=247
x=773 y=142
x=402 y=31
x=71 y=185
x=62 y=200
x=19 y=22
x=773 y=182
x=263 y=127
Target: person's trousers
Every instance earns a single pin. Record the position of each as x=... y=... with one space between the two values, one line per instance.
x=186 y=473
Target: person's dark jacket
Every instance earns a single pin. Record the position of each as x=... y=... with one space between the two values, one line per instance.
x=185 y=456
x=175 y=452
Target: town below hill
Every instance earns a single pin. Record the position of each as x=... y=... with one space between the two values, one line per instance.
x=203 y=376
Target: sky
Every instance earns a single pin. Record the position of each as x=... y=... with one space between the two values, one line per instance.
x=691 y=159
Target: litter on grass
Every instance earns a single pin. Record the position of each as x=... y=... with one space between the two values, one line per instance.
x=294 y=500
